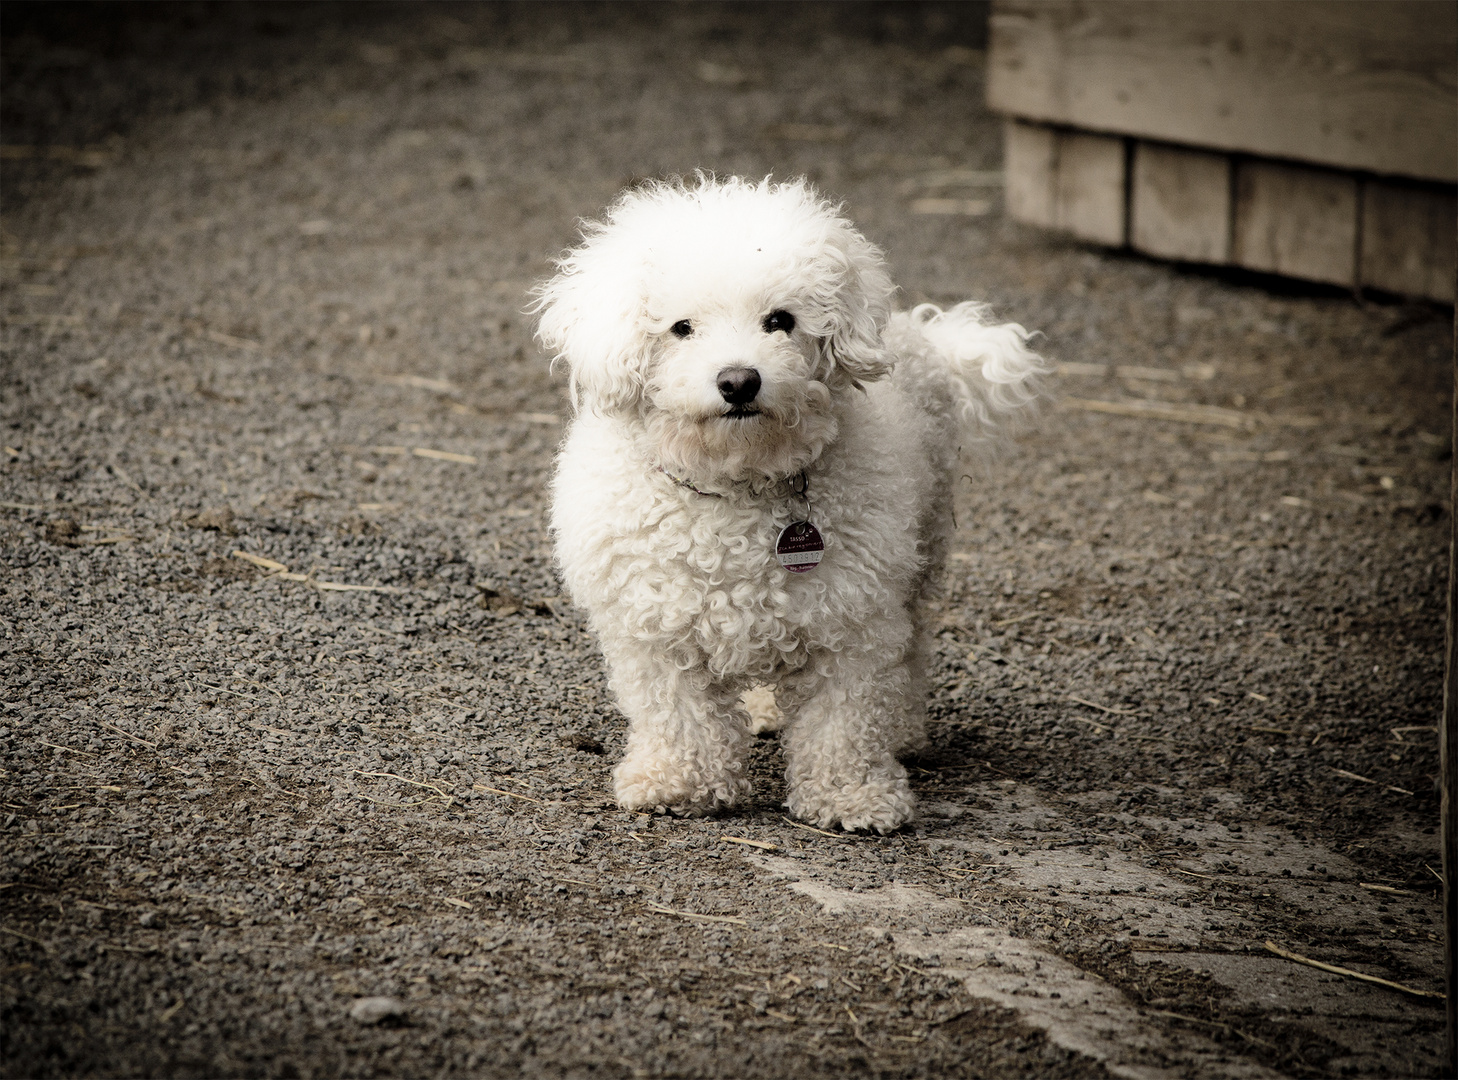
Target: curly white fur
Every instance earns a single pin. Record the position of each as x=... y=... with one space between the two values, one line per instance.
x=669 y=497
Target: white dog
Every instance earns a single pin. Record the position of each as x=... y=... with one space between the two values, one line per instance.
x=756 y=490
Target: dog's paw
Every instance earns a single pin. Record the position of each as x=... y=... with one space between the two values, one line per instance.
x=649 y=784
x=884 y=802
x=764 y=713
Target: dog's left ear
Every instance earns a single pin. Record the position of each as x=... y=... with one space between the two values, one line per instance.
x=862 y=306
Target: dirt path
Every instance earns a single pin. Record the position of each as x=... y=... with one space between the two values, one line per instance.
x=266 y=299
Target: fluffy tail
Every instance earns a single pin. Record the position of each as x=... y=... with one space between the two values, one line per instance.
x=992 y=371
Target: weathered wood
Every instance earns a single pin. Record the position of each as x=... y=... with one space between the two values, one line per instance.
x=1408 y=238
x=1090 y=187
x=1030 y=163
x=1180 y=203
x=1296 y=221
x=1285 y=219
x=1368 y=85
x=1066 y=180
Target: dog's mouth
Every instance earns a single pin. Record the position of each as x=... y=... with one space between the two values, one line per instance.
x=740 y=412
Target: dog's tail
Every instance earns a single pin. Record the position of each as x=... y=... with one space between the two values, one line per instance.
x=992 y=371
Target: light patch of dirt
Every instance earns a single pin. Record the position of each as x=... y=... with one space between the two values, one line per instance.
x=1079 y=1011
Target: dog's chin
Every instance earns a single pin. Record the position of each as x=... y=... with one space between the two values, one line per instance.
x=740 y=443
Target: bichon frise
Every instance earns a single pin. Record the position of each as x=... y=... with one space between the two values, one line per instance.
x=757 y=488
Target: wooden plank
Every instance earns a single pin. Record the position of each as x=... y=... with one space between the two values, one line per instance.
x=1090 y=187
x=1293 y=220
x=1408 y=238
x=1369 y=84
x=1066 y=180
x=1030 y=162
x=1180 y=203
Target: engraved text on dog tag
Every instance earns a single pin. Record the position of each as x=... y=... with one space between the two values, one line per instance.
x=799 y=547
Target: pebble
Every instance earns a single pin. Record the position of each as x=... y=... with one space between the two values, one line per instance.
x=373 y=1010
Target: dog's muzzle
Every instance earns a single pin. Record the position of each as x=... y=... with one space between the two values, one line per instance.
x=739 y=386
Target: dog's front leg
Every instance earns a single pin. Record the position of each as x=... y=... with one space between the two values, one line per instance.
x=841 y=747
x=686 y=738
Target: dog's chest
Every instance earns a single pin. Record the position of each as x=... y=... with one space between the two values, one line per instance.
x=694 y=577
x=702 y=574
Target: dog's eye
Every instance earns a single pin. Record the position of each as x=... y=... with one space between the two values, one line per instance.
x=682 y=328
x=779 y=320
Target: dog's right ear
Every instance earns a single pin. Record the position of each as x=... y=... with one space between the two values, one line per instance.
x=592 y=322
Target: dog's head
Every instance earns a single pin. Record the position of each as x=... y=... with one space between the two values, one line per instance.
x=722 y=316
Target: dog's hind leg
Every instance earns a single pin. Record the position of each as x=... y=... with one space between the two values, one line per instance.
x=924 y=611
x=910 y=733
x=764 y=713
x=686 y=737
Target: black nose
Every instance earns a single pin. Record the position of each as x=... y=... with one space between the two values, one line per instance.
x=738 y=385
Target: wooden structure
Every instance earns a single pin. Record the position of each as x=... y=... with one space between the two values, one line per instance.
x=1310 y=138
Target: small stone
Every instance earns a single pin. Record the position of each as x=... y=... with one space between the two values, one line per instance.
x=62 y=531
x=147 y=918
x=219 y=518
x=586 y=743
x=373 y=1010
x=498 y=601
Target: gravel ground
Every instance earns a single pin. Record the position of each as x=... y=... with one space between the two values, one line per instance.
x=294 y=716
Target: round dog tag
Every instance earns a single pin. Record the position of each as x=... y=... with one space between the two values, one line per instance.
x=799 y=547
